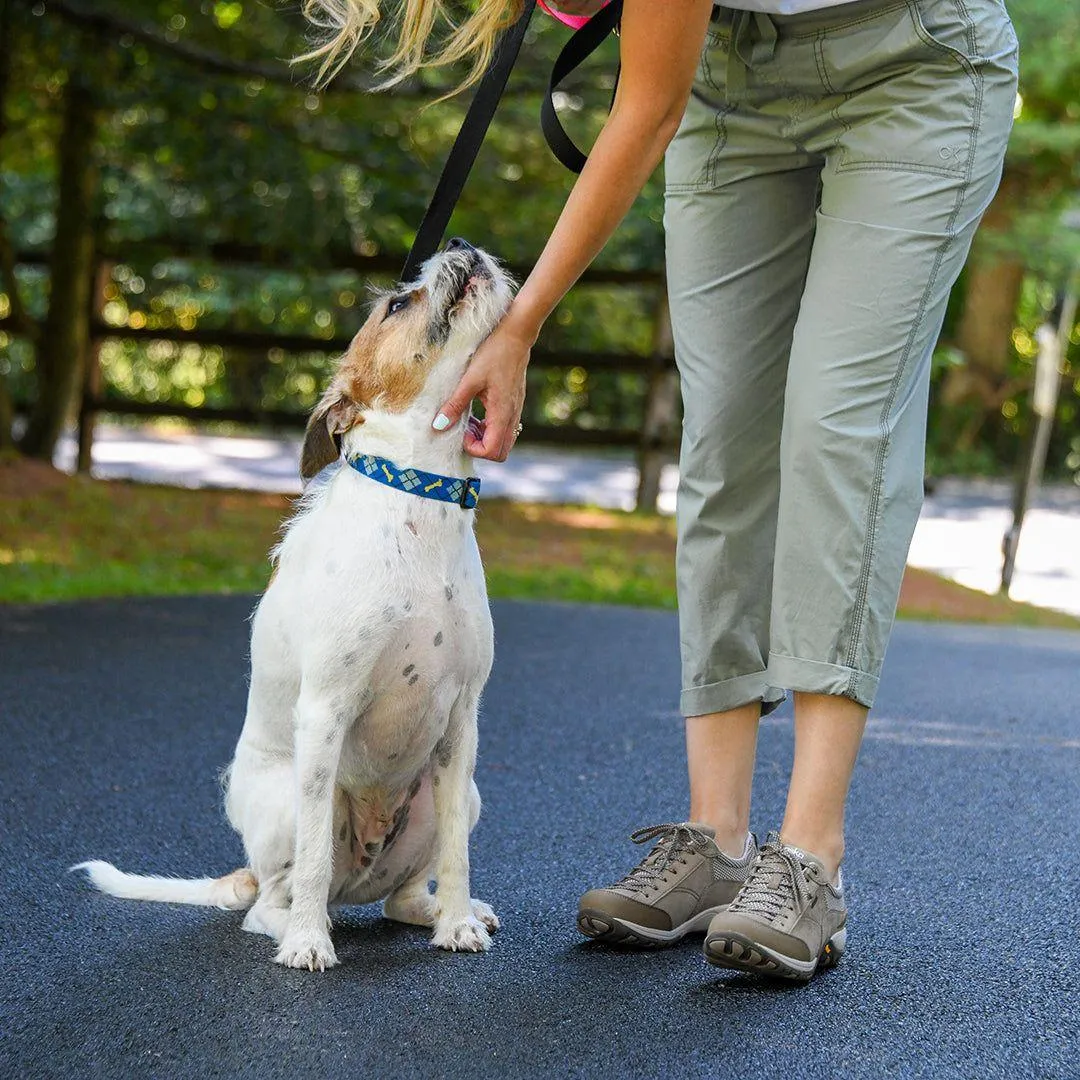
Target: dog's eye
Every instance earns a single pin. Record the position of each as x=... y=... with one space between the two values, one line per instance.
x=396 y=305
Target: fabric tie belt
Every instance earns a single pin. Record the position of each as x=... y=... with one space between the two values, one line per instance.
x=753 y=42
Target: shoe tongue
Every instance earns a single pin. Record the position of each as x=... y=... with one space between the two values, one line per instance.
x=807 y=859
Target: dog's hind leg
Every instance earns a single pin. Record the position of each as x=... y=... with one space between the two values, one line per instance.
x=259 y=803
x=412 y=902
x=270 y=913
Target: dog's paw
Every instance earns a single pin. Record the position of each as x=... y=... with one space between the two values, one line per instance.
x=486 y=914
x=311 y=951
x=468 y=935
x=263 y=919
x=417 y=909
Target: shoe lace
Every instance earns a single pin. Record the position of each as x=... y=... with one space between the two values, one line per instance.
x=777 y=884
x=674 y=843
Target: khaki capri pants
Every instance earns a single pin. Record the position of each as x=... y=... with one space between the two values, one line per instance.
x=821 y=196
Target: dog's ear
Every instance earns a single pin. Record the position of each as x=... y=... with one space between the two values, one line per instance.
x=335 y=414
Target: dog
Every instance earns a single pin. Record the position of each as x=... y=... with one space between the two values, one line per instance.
x=352 y=780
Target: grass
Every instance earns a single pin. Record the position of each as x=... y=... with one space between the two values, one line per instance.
x=83 y=538
x=68 y=538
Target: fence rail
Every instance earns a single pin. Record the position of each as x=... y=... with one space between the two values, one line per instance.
x=655 y=442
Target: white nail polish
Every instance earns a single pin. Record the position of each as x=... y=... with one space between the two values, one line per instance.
x=441 y=422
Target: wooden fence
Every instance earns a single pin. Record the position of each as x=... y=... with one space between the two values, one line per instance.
x=655 y=441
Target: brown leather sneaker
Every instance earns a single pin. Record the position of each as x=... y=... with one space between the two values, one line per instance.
x=787 y=921
x=674 y=891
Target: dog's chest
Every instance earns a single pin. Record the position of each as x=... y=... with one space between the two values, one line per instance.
x=445 y=645
x=435 y=649
x=429 y=661
x=385 y=593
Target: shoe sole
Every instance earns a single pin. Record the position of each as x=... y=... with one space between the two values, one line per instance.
x=740 y=953
x=600 y=926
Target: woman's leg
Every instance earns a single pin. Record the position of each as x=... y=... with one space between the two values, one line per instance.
x=828 y=731
x=720 y=751
x=739 y=228
x=912 y=161
x=739 y=223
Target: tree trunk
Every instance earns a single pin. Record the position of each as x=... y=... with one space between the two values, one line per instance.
x=71 y=272
x=984 y=332
x=7 y=418
x=8 y=281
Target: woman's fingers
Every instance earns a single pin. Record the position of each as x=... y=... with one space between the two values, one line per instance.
x=496 y=376
x=491 y=438
x=458 y=402
x=494 y=436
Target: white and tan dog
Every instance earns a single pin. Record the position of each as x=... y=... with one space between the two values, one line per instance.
x=352 y=779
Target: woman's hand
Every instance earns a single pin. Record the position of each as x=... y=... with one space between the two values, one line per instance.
x=496 y=376
x=659 y=49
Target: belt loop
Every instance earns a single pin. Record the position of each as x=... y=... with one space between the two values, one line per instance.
x=735 y=80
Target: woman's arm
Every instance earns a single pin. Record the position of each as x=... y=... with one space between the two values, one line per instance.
x=660 y=44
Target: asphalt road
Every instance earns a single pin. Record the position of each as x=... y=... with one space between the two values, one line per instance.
x=964 y=933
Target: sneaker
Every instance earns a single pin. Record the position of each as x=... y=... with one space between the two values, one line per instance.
x=674 y=891
x=788 y=920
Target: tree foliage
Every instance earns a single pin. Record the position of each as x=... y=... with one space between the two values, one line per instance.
x=204 y=135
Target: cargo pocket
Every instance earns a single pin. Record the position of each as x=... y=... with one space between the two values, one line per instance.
x=910 y=90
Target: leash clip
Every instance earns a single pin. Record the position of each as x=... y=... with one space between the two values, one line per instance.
x=470 y=493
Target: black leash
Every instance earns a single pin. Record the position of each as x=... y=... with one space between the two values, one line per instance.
x=467 y=145
x=478 y=118
x=576 y=51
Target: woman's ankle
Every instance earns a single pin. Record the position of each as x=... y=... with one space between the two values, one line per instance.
x=730 y=835
x=827 y=848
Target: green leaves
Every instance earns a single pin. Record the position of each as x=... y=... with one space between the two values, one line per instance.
x=226 y=15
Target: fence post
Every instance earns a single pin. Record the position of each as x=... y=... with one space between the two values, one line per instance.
x=661 y=409
x=1053 y=345
x=91 y=370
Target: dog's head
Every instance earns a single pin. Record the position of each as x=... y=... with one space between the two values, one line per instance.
x=418 y=337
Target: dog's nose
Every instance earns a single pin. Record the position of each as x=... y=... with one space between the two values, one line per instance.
x=457 y=244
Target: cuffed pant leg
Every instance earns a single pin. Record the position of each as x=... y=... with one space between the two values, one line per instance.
x=890 y=242
x=737 y=254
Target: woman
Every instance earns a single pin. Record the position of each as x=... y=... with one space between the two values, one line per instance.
x=827 y=163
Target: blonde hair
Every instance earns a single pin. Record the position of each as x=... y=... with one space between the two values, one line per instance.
x=347 y=23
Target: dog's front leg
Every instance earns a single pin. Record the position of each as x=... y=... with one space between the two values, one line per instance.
x=456 y=924
x=320 y=732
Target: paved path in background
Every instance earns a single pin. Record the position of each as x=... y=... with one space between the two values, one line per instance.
x=963 y=949
x=959 y=534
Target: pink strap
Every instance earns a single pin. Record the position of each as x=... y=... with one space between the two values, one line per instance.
x=576 y=21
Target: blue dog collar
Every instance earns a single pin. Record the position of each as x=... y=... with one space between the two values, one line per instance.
x=465 y=491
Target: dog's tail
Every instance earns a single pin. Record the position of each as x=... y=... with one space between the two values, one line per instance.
x=235 y=892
